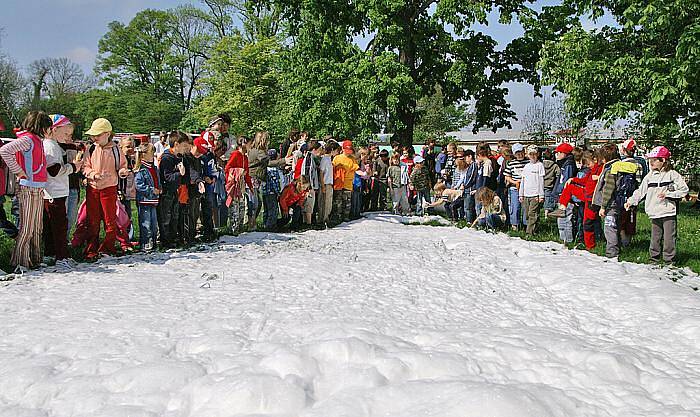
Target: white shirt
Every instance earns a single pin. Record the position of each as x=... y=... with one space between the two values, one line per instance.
x=532 y=182
x=327 y=170
x=58 y=186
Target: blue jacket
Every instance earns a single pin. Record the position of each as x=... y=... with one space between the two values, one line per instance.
x=568 y=170
x=145 y=186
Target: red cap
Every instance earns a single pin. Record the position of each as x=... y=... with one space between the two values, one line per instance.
x=202 y=145
x=347 y=146
x=564 y=148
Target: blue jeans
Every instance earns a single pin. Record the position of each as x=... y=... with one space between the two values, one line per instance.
x=271 y=211
x=469 y=207
x=72 y=204
x=566 y=232
x=148 y=225
x=422 y=195
x=491 y=221
x=550 y=200
x=514 y=208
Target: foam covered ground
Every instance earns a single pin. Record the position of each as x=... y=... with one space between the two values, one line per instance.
x=373 y=318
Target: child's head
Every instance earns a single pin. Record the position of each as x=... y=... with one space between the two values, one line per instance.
x=418 y=161
x=483 y=154
x=628 y=148
x=507 y=154
x=243 y=143
x=660 y=159
x=100 y=132
x=200 y=147
x=518 y=151
x=302 y=183
x=315 y=148
x=180 y=142
x=144 y=153
x=61 y=128
x=485 y=196
x=563 y=151
x=469 y=156
x=608 y=152
x=451 y=148
x=261 y=141
x=439 y=188
x=126 y=144
x=587 y=158
x=395 y=160
x=384 y=155
x=533 y=153
x=461 y=163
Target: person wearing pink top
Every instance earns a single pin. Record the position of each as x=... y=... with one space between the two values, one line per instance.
x=26 y=159
x=104 y=165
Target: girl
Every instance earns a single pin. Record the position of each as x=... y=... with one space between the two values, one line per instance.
x=492 y=215
x=662 y=188
x=399 y=192
x=292 y=198
x=148 y=188
x=26 y=159
x=237 y=171
x=105 y=164
x=57 y=190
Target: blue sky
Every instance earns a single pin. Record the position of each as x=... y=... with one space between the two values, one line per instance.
x=35 y=29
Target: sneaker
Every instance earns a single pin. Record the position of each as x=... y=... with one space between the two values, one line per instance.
x=148 y=247
x=558 y=213
x=63 y=265
x=20 y=270
x=48 y=260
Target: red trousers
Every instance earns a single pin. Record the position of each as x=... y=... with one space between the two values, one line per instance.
x=56 y=228
x=589 y=216
x=101 y=205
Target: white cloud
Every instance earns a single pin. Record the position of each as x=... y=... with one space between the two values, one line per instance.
x=81 y=55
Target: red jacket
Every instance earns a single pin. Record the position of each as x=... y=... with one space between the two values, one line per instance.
x=238 y=160
x=290 y=197
x=587 y=181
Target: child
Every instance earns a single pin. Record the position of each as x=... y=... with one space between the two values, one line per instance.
x=604 y=199
x=583 y=189
x=449 y=166
x=57 y=190
x=172 y=174
x=104 y=165
x=492 y=215
x=379 y=181
x=420 y=182
x=399 y=193
x=292 y=198
x=551 y=174
x=26 y=159
x=326 y=191
x=271 y=190
x=446 y=201
x=344 y=168
x=567 y=165
x=512 y=174
x=148 y=188
x=662 y=188
x=196 y=191
x=531 y=189
x=237 y=172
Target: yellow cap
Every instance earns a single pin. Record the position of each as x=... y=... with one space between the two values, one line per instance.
x=99 y=126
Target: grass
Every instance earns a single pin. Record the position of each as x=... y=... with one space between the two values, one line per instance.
x=688 y=243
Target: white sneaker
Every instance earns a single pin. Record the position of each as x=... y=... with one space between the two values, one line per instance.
x=148 y=247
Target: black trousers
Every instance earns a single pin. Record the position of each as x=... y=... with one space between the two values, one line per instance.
x=168 y=218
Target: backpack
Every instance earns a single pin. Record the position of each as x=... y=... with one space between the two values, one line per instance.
x=338 y=177
x=625 y=185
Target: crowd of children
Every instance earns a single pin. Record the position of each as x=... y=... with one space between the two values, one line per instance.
x=188 y=190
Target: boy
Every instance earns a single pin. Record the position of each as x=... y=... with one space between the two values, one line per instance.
x=271 y=190
x=330 y=149
x=444 y=199
x=344 y=167
x=512 y=174
x=399 y=193
x=567 y=165
x=531 y=190
x=379 y=181
x=604 y=199
x=420 y=182
x=172 y=173
x=196 y=188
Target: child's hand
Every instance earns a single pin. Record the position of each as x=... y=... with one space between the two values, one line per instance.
x=21 y=174
x=595 y=177
x=662 y=195
x=602 y=212
x=521 y=199
x=123 y=173
x=157 y=191
x=627 y=206
x=201 y=188
x=541 y=200
x=97 y=177
x=181 y=168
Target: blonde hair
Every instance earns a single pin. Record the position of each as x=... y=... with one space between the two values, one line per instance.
x=261 y=141
x=440 y=187
x=143 y=149
x=485 y=196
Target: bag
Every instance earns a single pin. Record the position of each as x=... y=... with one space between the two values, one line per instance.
x=338 y=177
x=625 y=186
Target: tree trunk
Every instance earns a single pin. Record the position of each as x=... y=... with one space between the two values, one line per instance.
x=406 y=115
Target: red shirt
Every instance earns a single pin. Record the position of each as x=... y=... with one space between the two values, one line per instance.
x=587 y=181
x=291 y=197
x=238 y=160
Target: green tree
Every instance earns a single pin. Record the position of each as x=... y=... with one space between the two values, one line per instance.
x=435 y=118
x=244 y=81
x=140 y=57
x=644 y=67
x=434 y=44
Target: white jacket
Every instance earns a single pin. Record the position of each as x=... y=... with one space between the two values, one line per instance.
x=656 y=182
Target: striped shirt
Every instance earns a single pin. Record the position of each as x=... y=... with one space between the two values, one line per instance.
x=514 y=168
